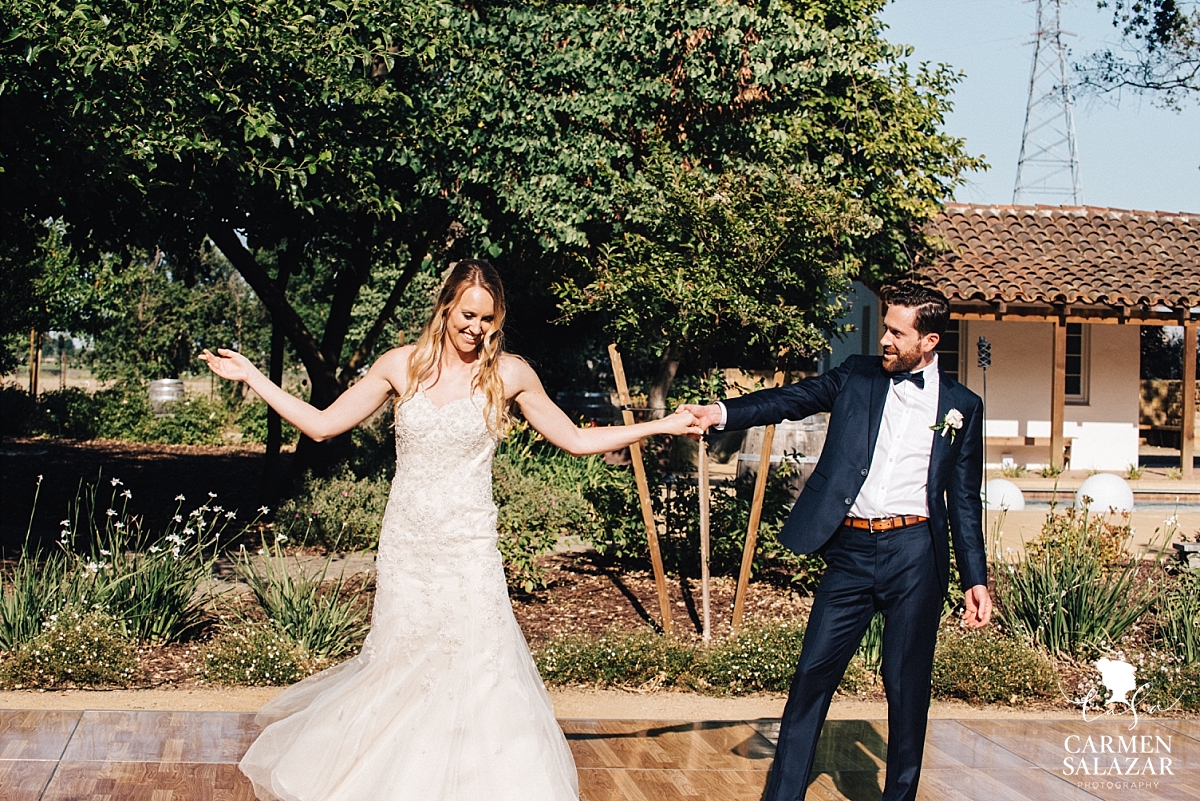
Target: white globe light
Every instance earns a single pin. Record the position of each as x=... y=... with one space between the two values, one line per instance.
x=1001 y=493
x=1107 y=491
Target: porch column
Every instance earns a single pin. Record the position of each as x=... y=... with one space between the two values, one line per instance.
x=1187 y=432
x=1058 y=393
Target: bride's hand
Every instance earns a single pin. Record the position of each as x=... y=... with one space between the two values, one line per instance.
x=682 y=423
x=228 y=364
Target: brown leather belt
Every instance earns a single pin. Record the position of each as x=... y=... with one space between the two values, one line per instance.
x=883 y=523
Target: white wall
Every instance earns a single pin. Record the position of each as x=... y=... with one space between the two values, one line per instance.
x=1105 y=429
x=858 y=341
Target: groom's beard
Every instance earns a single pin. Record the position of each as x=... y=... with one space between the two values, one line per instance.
x=902 y=362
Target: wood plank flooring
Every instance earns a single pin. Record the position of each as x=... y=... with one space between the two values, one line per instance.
x=186 y=756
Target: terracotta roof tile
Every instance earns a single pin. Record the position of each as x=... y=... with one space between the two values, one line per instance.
x=1067 y=254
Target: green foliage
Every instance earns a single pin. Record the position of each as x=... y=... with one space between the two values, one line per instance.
x=987 y=666
x=1159 y=53
x=71 y=413
x=325 y=618
x=251 y=420
x=1068 y=596
x=342 y=513
x=541 y=495
x=253 y=653
x=17 y=411
x=76 y=647
x=104 y=559
x=760 y=657
x=1072 y=530
x=614 y=659
x=755 y=257
x=1177 y=616
x=1166 y=681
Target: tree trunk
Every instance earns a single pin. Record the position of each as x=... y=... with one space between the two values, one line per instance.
x=668 y=366
x=269 y=490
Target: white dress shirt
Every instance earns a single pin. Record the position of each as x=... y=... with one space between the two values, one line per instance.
x=899 y=474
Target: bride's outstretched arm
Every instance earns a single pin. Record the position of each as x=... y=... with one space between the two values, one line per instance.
x=553 y=424
x=352 y=407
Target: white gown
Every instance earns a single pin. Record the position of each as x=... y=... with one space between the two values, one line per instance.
x=444 y=701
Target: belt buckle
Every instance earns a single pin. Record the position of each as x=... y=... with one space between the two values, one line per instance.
x=871 y=525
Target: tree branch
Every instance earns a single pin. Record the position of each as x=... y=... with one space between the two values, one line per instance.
x=416 y=259
x=306 y=345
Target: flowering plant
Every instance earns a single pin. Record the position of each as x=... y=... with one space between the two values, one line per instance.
x=952 y=422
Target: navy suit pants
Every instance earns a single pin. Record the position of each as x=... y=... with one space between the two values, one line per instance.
x=892 y=572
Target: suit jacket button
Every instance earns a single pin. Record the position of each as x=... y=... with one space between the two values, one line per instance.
x=864 y=472
x=849 y=501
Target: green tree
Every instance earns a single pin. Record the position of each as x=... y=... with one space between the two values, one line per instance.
x=359 y=145
x=1159 y=53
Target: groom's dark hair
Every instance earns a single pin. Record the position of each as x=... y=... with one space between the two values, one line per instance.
x=933 y=310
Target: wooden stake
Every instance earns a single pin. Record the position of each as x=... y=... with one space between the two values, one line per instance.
x=756 y=507
x=643 y=488
x=702 y=463
x=1187 y=428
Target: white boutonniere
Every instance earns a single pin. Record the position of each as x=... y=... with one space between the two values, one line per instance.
x=952 y=422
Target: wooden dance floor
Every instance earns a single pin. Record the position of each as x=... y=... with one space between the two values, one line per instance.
x=180 y=756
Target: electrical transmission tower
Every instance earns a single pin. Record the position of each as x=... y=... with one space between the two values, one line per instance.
x=1048 y=167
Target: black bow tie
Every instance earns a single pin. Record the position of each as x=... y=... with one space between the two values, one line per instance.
x=916 y=378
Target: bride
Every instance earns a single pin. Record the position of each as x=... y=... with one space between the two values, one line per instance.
x=443 y=701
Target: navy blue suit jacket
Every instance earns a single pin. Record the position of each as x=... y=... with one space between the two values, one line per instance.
x=854 y=394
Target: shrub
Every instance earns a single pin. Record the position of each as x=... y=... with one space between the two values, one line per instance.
x=1067 y=595
x=254 y=653
x=1067 y=533
x=343 y=513
x=987 y=666
x=124 y=411
x=616 y=658
x=251 y=420
x=1167 y=682
x=195 y=420
x=761 y=656
x=17 y=412
x=104 y=559
x=1177 y=617
x=322 y=617
x=75 y=647
x=70 y=413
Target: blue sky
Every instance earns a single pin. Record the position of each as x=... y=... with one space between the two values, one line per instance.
x=1133 y=154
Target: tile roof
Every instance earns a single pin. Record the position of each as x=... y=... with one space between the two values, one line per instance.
x=1067 y=254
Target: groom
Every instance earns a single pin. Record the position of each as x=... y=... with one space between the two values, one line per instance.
x=899 y=477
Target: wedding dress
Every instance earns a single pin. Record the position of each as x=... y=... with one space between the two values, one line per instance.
x=444 y=701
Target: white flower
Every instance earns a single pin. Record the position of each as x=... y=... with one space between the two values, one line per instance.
x=262 y=510
x=281 y=538
x=1173 y=520
x=118 y=525
x=177 y=519
x=111 y=512
x=180 y=497
x=105 y=553
x=92 y=567
x=116 y=482
x=154 y=549
x=231 y=515
x=176 y=538
x=218 y=509
x=65 y=523
x=39 y=478
x=212 y=494
x=127 y=494
x=952 y=422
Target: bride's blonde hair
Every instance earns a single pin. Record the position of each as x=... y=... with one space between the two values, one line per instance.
x=426 y=357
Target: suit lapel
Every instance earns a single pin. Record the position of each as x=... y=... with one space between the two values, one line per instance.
x=941 y=444
x=879 y=391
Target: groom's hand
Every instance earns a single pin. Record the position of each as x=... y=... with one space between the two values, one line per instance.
x=978 y=607
x=706 y=416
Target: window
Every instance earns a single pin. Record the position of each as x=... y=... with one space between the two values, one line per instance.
x=1076 y=385
x=949 y=349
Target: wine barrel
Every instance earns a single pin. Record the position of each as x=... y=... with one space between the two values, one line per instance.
x=163 y=391
x=798 y=441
